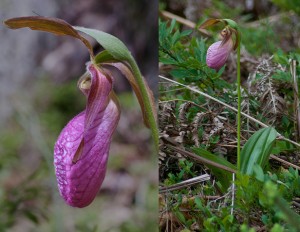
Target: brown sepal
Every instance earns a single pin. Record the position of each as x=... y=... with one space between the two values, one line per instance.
x=47 y=24
x=209 y=23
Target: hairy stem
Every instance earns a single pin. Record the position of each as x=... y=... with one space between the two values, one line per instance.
x=239 y=103
x=146 y=99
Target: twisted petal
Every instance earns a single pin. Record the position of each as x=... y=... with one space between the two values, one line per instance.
x=81 y=151
x=218 y=53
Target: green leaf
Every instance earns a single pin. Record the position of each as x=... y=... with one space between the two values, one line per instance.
x=180 y=216
x=223 y=176
x=259 y=173
x=110 y=43
x=186 y=33
x=175 y=37
x=257 y=149
x=198 y=203
x=31 y=216
x=231 y=23
x=173 y=23
x=167 y=60
x=292 y=218
x=104 y=56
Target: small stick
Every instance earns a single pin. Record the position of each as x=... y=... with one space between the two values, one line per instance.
x=185 y=183
x=284 y=162
x=184 y=21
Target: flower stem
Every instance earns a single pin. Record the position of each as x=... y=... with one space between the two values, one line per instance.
x=146 y=99
x=239 y=103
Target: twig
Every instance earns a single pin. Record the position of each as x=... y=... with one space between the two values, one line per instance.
x=222 y=197
x=284 y=162
x=184 y=21
x=200 y=159
x=230 y=107
x=185 y=183
x=296 y=204
x=185 y=200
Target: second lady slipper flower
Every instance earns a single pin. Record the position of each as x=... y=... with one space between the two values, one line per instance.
x=218 y=52
x=81 y=150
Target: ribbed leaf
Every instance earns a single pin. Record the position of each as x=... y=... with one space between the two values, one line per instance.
x=222 y=175
x=257 y=149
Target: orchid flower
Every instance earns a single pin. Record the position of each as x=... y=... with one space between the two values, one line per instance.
x=81 y=150
x=218 y=52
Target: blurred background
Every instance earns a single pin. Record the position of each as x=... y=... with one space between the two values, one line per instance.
x=38 y=96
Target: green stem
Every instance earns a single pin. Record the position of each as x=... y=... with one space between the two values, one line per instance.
x=146 y=99
x=239 y=103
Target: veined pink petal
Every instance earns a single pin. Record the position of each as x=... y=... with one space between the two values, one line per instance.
x=81 y=151
x=217 y=54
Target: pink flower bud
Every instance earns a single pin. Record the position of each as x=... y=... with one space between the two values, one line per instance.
x=218 y=53
x=81 y=150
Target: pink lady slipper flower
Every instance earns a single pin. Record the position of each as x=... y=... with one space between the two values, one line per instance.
x=81 y=150
x=218 y=52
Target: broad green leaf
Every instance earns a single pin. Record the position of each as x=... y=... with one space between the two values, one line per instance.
x=223 y=176
x=231 y=23
x=109 y=42
x=47 y=24
x=257 y=149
